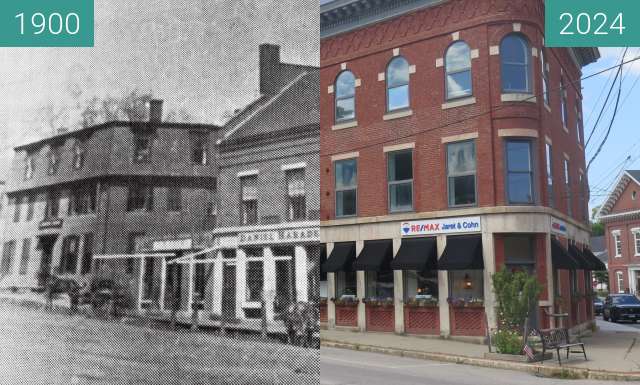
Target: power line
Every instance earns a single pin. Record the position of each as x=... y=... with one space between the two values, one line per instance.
x=492 y=109
x=601 y=92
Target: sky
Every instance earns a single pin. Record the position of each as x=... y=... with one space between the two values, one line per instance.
x=624 y=139
x=199 y=56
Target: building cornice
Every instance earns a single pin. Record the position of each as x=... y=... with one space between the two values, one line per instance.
x=620 y=216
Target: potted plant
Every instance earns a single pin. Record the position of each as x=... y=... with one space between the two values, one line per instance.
x=421 y=302
x=379 y=302
x=345 y=301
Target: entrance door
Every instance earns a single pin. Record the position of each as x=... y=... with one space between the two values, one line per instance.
x=229 y=291
x=173 y=285
x=46 y=245
x=285 y=283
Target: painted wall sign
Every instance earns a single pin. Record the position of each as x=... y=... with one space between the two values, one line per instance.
x=558 y=226
x=172 y=244
x=441 y=226
x=279 y=236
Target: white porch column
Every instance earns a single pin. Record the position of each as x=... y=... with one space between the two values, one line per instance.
x=140 y=282
x=443 y=290
x=163 y=282
x=241 y=281
x=302 y=275
x=488 y=250
x=269 y=271
x=190 y=287
x=361 y=291
x=398 y=291
x=331 y=293
x=218 y=266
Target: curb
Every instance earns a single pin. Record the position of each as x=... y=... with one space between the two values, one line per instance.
x=546 y=371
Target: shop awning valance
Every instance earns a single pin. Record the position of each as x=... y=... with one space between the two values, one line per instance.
x=560 y=257
x=341 y=258
x=597 y=264
x=375 y=255
x=416 y=254
x=581 y=260
x=463 y=252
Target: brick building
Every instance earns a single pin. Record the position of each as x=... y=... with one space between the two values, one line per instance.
x=101 y=190
x=451 y=145
x=267 y=237
x=620 y=214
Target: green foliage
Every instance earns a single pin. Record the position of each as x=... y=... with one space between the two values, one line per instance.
x=601 y=276
x=508 y=342
x=515 y=292
x=597 y=229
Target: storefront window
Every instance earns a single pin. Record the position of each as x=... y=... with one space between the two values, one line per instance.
x=255 y=280
x=379 y=284
x=345 y=284
x=466 y=285
x=420 y=285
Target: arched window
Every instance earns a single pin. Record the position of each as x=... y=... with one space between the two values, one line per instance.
x=397 y=84
x=345 y=96
x=458 y=68
x=514 y=53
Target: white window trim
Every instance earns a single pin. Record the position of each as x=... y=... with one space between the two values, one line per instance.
x=636 y=238
x=293 y=166
x=614 y=234
x=620 y=279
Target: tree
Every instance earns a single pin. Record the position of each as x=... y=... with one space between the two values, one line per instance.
x=597 y=229
x=601 y=277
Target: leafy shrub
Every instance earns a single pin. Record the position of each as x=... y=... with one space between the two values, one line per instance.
x=515 y=292
x=508 y=342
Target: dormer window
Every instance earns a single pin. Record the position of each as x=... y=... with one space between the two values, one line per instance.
x=142 y=149
x=29 y=167
x=78 y=154
x=53 y=160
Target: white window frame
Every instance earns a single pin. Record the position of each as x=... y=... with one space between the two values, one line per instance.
x=617 y=238
x=620 y=281
x=636 y=240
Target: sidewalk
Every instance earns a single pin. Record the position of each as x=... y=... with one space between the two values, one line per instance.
x=613 y=352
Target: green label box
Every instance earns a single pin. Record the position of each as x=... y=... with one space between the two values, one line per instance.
x=592 y=23
x=46 y=23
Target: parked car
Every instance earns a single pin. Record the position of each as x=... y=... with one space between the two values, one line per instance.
x=598 y=305
x=618 y=307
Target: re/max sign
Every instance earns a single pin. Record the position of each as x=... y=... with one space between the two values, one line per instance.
x=441 y=226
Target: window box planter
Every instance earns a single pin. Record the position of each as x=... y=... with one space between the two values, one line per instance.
x=467 y=320
x=380 y=316
x=411 y=303
x=423 y=319
x=379 y=302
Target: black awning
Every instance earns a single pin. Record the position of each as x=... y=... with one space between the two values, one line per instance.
x=560 y=257
x=416 y=254
x=597 y=264
x=375 y=255
x=463 y=252
x=581 y=260
x=341 y=258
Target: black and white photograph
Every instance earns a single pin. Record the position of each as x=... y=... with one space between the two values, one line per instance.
x=160 y=198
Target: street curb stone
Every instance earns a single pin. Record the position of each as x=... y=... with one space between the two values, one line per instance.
x=547 y=371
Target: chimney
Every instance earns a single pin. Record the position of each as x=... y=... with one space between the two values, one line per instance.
x=269 y=61
x=155 y=110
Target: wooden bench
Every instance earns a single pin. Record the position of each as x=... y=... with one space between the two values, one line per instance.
x=558 y=339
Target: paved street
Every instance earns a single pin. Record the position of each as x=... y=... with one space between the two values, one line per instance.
x=348 y=367
x=44 y=348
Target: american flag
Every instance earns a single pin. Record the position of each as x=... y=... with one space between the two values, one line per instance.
x=528 y=351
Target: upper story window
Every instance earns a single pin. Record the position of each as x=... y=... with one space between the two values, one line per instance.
x=345 y=96
x=400 y=175
x=636 y=241
x=617 y=243
x=142 y=148
x=6 y=264
x=563 y=103
x=397 y=84
x=31 y=200
x=549 y=157
x=53 y=160
x=140 y=198
x=52 y=210
x=296 y=202
x=567 y=187
x=458 y=68
x=29 y=167
x=83 y=201
x=545 y=78
x=17 y=209
x=249 y=199
x=579 y=124
x=461 y=173
x=516 y=74
x=346 y=172
x=174 y=198
x=199 y=148
x=583 y=209
x=519 y=172
x=78 y=154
